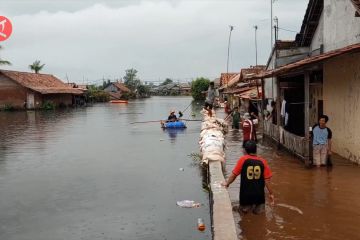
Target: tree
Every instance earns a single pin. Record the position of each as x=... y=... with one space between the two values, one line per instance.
x=143 y=90
x=4 y=62
x=198 y=86
x=36 y=66
x=130 y=79
x=167 y=81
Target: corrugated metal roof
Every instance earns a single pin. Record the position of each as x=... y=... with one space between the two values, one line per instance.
x=237 y=90
x=42 y=83
x=250 y=94
x=307 y=61
x=310 y=22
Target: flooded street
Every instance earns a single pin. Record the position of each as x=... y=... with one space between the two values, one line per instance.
x=89 y=174
x=310 y=203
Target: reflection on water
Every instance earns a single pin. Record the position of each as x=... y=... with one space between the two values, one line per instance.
x=173 y=132
x=89 y=174
x=311 y=203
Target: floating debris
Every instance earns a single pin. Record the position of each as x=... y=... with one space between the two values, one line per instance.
x=188 y=204
x=290 y=207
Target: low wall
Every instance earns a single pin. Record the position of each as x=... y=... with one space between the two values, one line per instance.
x=222 y=216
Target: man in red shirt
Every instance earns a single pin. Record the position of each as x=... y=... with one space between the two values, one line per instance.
x=255 y=175
x=249 y=132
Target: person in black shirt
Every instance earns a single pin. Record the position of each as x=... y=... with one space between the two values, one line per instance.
x=172 y=117
x=255 y=176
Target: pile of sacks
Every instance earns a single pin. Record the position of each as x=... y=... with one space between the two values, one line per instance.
x=212 y=142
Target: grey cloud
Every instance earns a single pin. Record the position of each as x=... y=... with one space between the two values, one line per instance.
x=159 y=38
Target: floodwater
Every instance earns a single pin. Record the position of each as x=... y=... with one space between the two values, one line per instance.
x=314 y=204
x=89 y=174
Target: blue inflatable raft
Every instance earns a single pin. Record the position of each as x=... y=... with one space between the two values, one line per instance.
x=177 y=124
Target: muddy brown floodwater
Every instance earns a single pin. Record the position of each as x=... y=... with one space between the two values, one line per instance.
x=310 y=203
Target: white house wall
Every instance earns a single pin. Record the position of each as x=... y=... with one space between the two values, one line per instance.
x=270 y=83
x=318 y=38
x=341 y=27
x=341 y=89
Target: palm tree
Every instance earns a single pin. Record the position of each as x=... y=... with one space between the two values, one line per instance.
x=36 y=66
x=4 y=62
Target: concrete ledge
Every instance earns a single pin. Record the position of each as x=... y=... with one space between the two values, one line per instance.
x=222 y=216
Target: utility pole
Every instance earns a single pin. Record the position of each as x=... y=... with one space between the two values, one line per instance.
x=271 y=24
x=228 y=53
x=276 y=27
x=256 y=28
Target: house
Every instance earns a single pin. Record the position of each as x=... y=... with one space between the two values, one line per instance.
x=172 y=89
x=185 y=89
x=244 y=93
x=116 y=90
x=23 y=90
x=326 y=80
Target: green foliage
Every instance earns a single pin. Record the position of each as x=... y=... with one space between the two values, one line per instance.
x=97 y=95
x=143 y=90
x=198 y=86
x=4 y=62
x=127 y=96
x=130 y=79
x=48 y=105
x=36 y=66
x=9 y=107
x=167 y=81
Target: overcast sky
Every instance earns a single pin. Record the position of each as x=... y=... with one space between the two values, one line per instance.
x=88 y=40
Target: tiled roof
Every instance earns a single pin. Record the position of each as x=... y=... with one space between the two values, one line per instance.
x=225 y=78
x=42 y=83
x=243 y=74
x=121 y=87
x=232 y=81
x=115 y=95
x=307 y=61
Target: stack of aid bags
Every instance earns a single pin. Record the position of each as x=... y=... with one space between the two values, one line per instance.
x=212 y=142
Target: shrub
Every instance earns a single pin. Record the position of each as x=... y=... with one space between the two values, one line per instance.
x=9 y=107
x=94 y=95
x=198 y=86
x=48 y=105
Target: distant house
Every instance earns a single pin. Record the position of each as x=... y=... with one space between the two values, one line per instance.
x=244 y=93
x=172 y=89
x=23 y=90
x=82 y=87
x=185 y=89
x=116 y=90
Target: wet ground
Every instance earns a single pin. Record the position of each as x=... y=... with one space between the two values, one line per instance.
x=89 y=174
x=310 y=203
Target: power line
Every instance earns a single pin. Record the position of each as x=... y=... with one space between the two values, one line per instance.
x=287 y=30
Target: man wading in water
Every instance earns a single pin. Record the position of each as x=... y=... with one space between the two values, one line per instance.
x=255 y=175
x=321 y=139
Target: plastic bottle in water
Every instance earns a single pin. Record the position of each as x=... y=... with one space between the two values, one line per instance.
x=201 y=225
